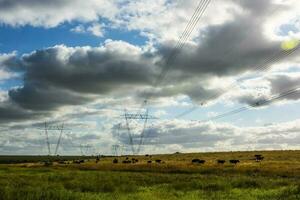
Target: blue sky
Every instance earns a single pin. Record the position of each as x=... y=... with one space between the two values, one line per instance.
x=84 y=63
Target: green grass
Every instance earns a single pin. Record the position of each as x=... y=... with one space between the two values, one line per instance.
x=176 y=179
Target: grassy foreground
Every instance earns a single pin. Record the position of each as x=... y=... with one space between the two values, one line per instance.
x=277 y=177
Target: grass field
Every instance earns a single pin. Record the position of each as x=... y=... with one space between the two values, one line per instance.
x=276 y=177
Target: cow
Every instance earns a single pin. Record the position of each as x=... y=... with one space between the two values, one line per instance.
x=115 y=161
x=221 y=161
x=48 y=163
x=149 y=161
x=61 y=162
x=77 y=161
x=198 y=161
x=234 y=161
x=126 y=161
x=158 y=161
x=258 y=158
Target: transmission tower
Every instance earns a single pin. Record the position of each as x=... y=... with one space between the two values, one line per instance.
x=85 y=149
x=48 y=128
x=136 y=117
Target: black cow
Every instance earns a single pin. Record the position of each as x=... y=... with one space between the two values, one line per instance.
x=115 y=161
x=258 y=158
x=126 y=161
x=149 y=161
x=61 y=162
x=158 y=161
x=234 y=161
x=78 y=161
x=221 y=161
x=198 y=161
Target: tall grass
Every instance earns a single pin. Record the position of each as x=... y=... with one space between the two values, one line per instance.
x=275 y=178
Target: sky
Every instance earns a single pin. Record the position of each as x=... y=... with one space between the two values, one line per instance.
x=82 y=65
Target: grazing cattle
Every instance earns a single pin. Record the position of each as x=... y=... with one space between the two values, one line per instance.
x=234 y=161
x=198 y=161
x=115 y=161
x=48 y=163
x=158 y=161
x=76 y=161
x=221 y=161
x=61 y=162
x=134 y=160
x=258 y=158
x=149 y=161
x=97 y=159
x=126 y=161
x=147 y=155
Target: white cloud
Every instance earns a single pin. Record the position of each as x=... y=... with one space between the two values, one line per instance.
x=95 y=29
x=51 y=14
x=79 y=29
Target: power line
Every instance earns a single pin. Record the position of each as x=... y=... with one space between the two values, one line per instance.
x=264 y=65
x=198 y=13
x=256 y=104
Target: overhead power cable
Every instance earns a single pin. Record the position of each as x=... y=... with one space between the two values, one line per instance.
x=256 y=104
x=263 y=66
x=198 y=13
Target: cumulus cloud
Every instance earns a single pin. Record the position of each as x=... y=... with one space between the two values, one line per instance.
x=209 y=136
x=51 y=14
x=258 y=90
x=223 y=47
x=14 y=113
x=63 y=75
x=95 y=29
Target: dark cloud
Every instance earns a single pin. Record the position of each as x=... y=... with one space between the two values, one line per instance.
x=88 y=70
x=60 y=76
x=223 y=50
x=10 y=112
x=226 y=50
x=284 y=82
x=285 y=86
x=38 y=96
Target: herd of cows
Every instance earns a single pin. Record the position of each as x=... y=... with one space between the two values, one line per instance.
x=127 y=160
x=257 y=158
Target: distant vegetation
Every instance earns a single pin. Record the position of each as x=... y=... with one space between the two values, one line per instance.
x=32 y=159
x=277 y=176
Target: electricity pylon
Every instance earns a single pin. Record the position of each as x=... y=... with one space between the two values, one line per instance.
x=136 y=116
x=48 y=128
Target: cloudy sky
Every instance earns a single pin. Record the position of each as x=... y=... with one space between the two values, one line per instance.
x=82 y=63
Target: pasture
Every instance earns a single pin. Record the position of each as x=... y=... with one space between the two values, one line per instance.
x=277 y=176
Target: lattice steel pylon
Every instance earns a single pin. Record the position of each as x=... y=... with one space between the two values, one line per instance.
x=137 y=116
x=117 y=148
x=48 y=128
x=85 y=149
